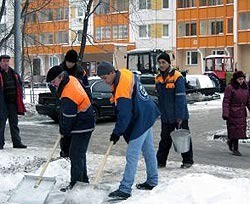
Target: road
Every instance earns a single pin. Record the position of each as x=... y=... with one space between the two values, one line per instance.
x=41 y=131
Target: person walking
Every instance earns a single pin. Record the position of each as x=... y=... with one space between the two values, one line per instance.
x=71 y=66
x=236 y=99
x=11 y=102
x=136 y=114
x=170 y=87
x=76 y=121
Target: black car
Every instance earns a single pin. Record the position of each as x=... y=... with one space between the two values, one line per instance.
x=49 y=105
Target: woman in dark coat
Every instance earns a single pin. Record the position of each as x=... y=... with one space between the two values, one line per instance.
x=236 y=99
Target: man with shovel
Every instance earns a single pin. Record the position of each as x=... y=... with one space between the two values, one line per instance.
x=76 y=120
x=136 y=114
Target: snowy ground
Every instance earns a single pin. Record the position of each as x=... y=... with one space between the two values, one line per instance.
x=201 y=184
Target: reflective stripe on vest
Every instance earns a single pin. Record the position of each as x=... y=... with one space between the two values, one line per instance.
x=74 y=91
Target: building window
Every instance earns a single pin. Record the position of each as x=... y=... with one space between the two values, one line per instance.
x=121 y=5
x=230 y=1
x=165 y=3
x=210 y=2
x=123 y=31
x=144 y=4
x=191 y=58
x=245 y=21
x=46 y=38
x=103 y=8
x=144 y=31
x=215 y=27
x=115 y=32
x=53 y=61
x=165 y=30
x=230 y=25
x=62 y=37
x=187 y=29
x=186 y=3
x=31 y=18
x=80 y=11
x=79 y=35
x=218 y=52
x=30 y=39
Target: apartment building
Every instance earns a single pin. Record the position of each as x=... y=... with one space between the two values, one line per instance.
x=152 y=24
x=206 y=27
x=57 y=27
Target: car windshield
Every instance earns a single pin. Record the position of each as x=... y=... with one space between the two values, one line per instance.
x=100 y=86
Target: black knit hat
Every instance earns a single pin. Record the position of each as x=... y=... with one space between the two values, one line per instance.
x=4 y=57
x=53 y=73
x=164 y=56
x=238 y=74
x=104 y=68
x=71 y=56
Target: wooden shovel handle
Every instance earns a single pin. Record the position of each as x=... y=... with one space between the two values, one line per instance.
x=101 y=166
x=48 y=161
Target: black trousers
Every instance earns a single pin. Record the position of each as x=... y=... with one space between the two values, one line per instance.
x=77 y=154
x=11 y=115
x=166 y=143
x=234 y=143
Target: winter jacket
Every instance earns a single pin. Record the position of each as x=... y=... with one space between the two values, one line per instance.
x=76 y=112
x=172 y=96
x=78 y=72
x=19 y=94
x=136 y=111
x=236 y=99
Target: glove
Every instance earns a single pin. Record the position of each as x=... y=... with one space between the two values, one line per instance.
x=225 y=118
x=114 y=137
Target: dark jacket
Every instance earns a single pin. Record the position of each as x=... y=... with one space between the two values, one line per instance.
x=76 y=114
x=172 y=96
x=80 y=73
x=19 y=99
x=136 y=111
x=236 y=99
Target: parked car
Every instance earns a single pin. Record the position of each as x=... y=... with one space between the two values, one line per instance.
x=49 y=105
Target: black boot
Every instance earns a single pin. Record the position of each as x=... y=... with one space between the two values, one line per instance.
x=20 y=146
x=68 y=187
x=119 y=194
x=236 y=148
x=144 y=186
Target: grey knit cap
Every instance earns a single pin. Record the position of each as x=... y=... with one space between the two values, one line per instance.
x=104 y=68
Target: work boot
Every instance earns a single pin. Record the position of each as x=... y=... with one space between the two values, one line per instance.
x=67 y=188
x=20 y=146
x=144 y=186
x=186 y=165
x=119 y=194
x=161 y=165
x=236 y=153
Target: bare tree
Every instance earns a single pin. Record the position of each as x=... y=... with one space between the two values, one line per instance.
x=88 y=13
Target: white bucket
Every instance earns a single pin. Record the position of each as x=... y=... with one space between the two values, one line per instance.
x=181 y=140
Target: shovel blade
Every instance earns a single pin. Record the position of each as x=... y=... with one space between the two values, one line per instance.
x=25 y=193
x=87 y=193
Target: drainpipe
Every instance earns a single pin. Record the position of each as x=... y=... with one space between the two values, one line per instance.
x=235 y=31
x=202 y=61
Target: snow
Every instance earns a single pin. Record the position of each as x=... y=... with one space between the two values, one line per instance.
x=200 y=184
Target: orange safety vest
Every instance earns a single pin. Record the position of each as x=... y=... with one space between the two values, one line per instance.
x=124 y=89
x=75 y=92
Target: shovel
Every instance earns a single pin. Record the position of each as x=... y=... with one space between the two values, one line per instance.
x=91 y=193
x=35 y=189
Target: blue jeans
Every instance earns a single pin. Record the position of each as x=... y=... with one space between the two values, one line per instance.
x=77 y=154
x=145 y=144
